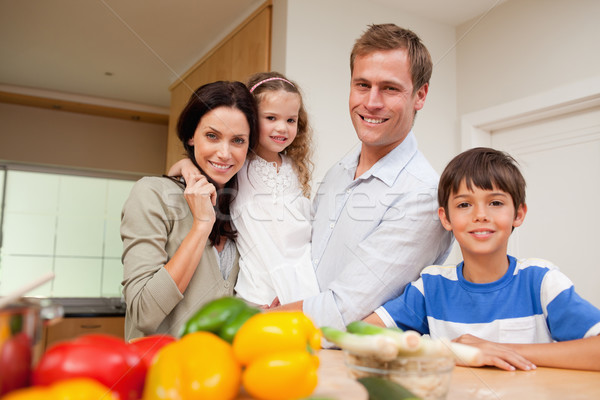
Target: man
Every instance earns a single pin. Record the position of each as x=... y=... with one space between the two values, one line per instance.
x=376 y=223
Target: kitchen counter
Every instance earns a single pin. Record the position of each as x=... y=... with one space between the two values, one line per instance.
x=82 y=316
x=485 y=383
x=91 y=306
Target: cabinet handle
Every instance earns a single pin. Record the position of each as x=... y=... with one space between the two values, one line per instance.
x=94 y=326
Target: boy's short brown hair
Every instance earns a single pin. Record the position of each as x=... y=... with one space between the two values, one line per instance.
x=485 y=168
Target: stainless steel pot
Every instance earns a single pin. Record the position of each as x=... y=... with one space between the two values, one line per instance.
x=21 y=324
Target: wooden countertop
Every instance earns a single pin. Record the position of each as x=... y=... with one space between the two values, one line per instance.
x=472 y=383
x=543 y=383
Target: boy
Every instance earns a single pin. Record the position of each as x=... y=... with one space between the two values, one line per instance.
x=520 y=313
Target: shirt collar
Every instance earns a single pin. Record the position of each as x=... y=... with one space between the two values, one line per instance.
x=389 y=166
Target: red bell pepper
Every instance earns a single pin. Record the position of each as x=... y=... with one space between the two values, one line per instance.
x=147 y=347
x=107 y=359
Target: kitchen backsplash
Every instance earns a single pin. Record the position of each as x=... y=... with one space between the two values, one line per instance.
x=66 y=224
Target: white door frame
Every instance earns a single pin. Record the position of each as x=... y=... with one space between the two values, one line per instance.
x=477 y=127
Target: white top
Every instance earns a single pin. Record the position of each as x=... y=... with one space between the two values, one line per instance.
x=272 y=218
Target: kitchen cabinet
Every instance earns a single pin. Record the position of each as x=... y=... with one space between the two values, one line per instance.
x=245 y=51
x=71 y=327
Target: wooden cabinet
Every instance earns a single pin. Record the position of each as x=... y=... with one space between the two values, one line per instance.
x=71 y=327
x=245 y=51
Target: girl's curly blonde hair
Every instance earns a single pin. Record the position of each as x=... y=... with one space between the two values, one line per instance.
x=300 y=150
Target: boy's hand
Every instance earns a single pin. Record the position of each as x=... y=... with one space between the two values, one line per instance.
x=497 y=354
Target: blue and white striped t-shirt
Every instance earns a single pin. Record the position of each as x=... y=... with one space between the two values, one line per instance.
x=532 y=303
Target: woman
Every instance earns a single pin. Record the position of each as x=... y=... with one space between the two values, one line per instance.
x=179 y=251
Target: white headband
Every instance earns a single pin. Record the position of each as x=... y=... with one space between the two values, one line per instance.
x=274 y=78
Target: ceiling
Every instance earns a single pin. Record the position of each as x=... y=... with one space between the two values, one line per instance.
x=133 y=50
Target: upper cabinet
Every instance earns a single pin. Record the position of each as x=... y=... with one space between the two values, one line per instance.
x=243 y=52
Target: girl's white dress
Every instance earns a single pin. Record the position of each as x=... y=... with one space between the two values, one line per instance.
x=272 y=218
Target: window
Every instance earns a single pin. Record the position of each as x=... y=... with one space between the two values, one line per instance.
x=63 y=223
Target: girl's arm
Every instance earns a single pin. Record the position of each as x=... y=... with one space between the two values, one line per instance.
x=572 y=354
x=186 y=168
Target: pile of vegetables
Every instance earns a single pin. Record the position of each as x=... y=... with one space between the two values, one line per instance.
x=397 y=364
x=270 y=354
x=386 y=344
x=227 y=346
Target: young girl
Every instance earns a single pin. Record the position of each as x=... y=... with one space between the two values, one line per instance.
x=271 y=210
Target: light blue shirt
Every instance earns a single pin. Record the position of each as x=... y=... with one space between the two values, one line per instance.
x=373 y=235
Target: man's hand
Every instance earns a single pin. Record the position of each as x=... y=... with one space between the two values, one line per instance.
x=497 y=354
x=275 y=303
x=295 y=306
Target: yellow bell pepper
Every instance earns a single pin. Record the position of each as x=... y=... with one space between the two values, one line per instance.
x=277 y=349
x=69 y=389
x=198 y=366
x=275 y=331
x=280 y=376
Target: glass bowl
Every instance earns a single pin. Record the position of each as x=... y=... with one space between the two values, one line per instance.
x=426 y=377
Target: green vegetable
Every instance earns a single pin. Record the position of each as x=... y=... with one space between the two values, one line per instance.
x=364 y=328
x=382 y=389
x=379 y=346
x=233 y=324
x=222 y=316
x=407 y=342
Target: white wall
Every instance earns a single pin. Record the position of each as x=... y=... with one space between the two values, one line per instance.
x=319 y=36
x=33 y=135
x=526 y=47
x=520 y=48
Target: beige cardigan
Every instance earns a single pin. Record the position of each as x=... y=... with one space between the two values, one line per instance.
x=154 y=222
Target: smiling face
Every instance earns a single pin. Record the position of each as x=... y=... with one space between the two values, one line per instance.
x=277 y=123
x=481 y=220
x=221 y=143
x=382 y=102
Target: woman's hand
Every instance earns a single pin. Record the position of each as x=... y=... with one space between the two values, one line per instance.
x=496 y=354
x=186 y=168
x=201 y=197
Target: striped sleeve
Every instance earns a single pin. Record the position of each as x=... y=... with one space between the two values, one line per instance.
x=568 y=315
x=408 y=310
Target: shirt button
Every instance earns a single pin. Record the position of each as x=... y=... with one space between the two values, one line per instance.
x=331 y=225
x=348 y=191
x=226 y=285
x=316 y=261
